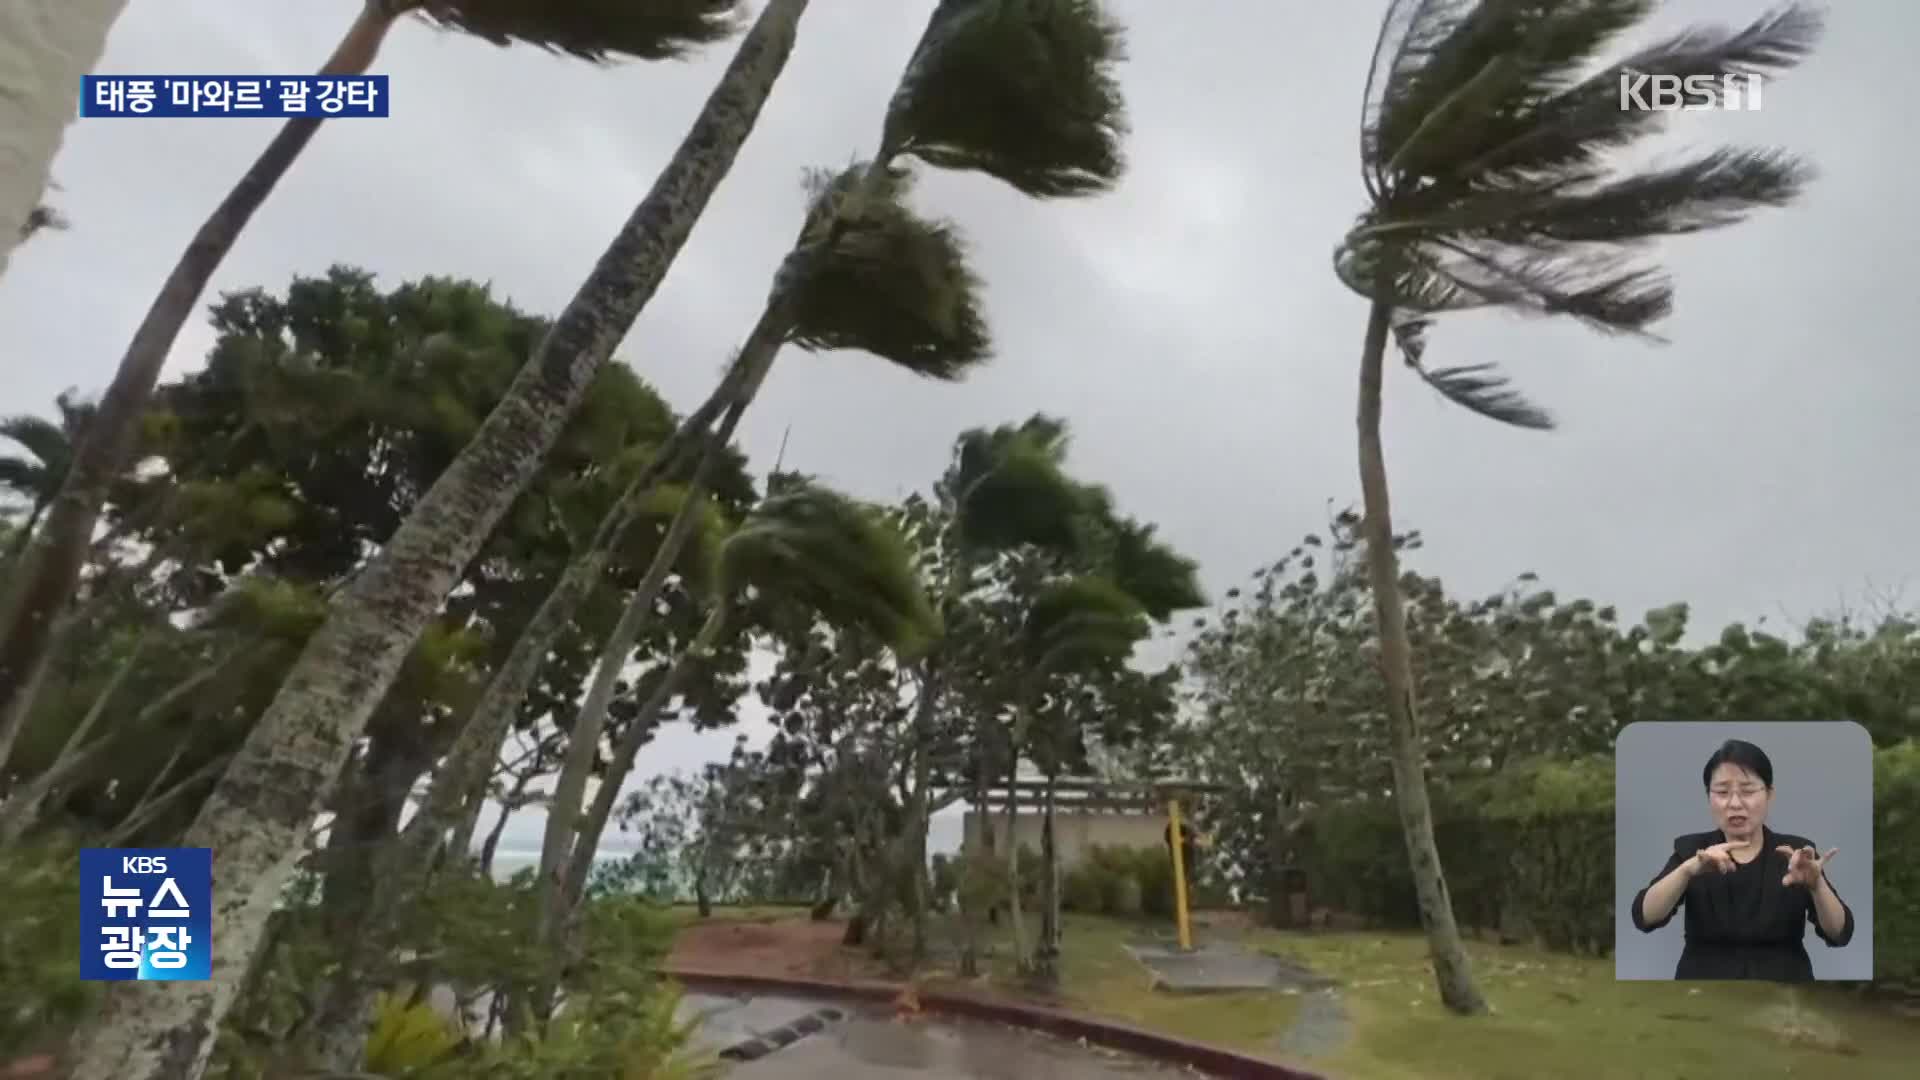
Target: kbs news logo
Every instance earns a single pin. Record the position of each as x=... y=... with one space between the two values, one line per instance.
x=1690 y=93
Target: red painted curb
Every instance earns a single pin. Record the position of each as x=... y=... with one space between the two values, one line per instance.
x=1212 y=1060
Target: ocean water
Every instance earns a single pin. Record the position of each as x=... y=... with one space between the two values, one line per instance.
x=508 y=863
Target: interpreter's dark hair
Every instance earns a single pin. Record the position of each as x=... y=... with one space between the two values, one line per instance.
x=1743 y=754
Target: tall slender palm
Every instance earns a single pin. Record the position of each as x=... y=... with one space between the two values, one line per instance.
x=591 y=29
x=271 y=791
x=1022 y=90
x=1487 y=149
x=898 y=287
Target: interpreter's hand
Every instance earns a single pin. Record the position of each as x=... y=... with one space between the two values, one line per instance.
x=1804 y=865
x=1717 y=859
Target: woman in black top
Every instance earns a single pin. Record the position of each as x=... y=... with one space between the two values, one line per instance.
x=1749 y=891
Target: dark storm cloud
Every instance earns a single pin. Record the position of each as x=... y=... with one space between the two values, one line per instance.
x=1188 y=324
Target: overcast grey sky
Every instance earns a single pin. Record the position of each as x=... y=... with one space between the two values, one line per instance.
x=1187 y=324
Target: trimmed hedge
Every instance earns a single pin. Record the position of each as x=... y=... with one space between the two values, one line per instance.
x=1520 y=857
x=1121 y=881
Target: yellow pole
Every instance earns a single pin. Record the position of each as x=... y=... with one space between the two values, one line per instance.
x=1179 y=875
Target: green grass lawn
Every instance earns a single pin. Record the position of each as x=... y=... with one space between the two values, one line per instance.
x=1553 y=1015
x=1099 y=976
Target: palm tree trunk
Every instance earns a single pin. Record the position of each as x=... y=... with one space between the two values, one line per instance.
x=460 y=785
x=50 y=45
x=593 y=825
x=1015 y=923
x=1450 y=966
x=50 y=568
x=491 y=844
x=918 y=802
x=266 y=801
x=1046 y=951
x=583 y=739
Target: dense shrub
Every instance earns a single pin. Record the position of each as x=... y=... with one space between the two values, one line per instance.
x=1546 y=881
x=40 y=989
x=1517 y=848
x=1086 y=888
x=1896 y=873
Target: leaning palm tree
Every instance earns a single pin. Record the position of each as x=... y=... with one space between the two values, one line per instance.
x=1075 y=620
x=595 y=30
x=899 y=288
x=1022 y=90
x=806 y=549
x=273 y=788
x=1486 y=145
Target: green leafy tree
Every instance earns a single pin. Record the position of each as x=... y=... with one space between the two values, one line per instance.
x=276 y=781
x=588 y=29
x=1486 y=151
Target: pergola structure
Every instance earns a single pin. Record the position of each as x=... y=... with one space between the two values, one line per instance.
x=1119 y=796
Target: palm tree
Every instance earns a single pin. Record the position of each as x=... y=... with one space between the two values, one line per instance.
x=270 y=792
x=1486 y=149
x=595 y=30
x=37 y=478
x=807 y=549
x=1021 y=90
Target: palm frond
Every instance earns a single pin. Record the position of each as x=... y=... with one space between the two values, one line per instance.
x=895 y=284
x=1715 y=189
x=1480 y=388
x=1605 y=291
x=1080 y=619
x=1009 y=487
x=839 y=557
x=596 y=30
x=42 y=438
x=1576 y=128
x=1462 y=72
x=30 y=480
x=1022 y=90
x=1159 y=578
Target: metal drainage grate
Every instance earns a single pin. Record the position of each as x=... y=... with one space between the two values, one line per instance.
x=783 y=1036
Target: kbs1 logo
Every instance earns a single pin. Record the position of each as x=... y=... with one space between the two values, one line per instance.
x=1640 y=92
x=146 y=913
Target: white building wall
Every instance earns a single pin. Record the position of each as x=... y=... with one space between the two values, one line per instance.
x=1075 y=831
x=45 y=46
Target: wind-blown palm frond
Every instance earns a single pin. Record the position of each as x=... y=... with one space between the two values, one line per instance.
x=1079 y=619
x=1486 y=146
x=1161 y=579
x=895 y=284
x=596 y=30
x=1009 y=487
x=1023 y=90
x=40 y=478
x=821 y=549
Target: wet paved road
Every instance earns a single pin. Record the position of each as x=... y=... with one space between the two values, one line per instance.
x=870 y=1046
